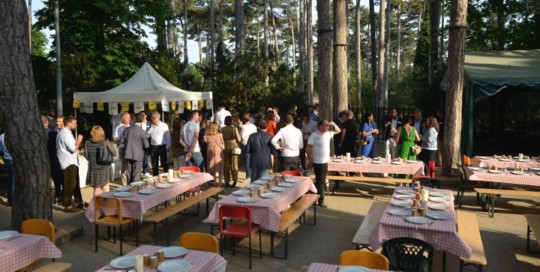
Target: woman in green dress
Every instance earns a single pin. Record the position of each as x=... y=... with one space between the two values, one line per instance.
x=406 y=137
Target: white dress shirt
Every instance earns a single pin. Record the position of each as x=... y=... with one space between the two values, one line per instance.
x=321 y=146
x=308 y=128
x=291 y=141
x=220 y=117
x=247 y=129
x=160 y=135
x=65 y=149
x=118 y=133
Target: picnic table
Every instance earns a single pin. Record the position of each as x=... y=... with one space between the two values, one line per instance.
x=202 y=261
x=21 y=251
x=266 y=212
x=137 y=204
x=441 y=234
x=323 y=267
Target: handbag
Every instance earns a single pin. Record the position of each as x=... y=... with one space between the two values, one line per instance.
x=236 y=151
x=364 y=141
x=416 y=149
x=103 y=155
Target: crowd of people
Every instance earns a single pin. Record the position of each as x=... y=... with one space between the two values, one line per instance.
x=262 y=140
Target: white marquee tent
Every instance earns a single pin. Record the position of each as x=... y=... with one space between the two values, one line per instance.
x=145 y=86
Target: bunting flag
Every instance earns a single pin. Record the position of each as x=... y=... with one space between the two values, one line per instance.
x=113 y=108
x=165 y=106
x=195 y=105
x=76 y=104
x=152 y=105
x=187 y=105
x=100 y=106
x=181 y=107
x=88 y=108
x=125 y=106
x=138 y=107
x=209 y=104
x=201 y=104
x=173 y=105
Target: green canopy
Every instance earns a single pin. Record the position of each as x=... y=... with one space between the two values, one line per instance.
x=487 y=73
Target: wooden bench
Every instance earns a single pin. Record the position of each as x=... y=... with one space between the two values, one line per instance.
x=468 y=229
x=53 y=267
x=385 y=180
x=361 y=238
x=163 y=215
x=288 y=217
x=492 y=194
x=533 y=225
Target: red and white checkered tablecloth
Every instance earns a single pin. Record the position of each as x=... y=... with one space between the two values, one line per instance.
x=531 y=179
x=505 y=163
x=409 y=168
x=137 y=204
x=322 y=267
x=441 y=234
x=202 y=261
x=24 y=250
x=266 y=212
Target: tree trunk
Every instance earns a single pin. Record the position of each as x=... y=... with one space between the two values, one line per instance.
x=186 y=55
x=199 y=43
x=220 y=23
x=387 y=55
x=357 y=54
x=258 y=36
x=309 y=53
x=374 y=62
x=274 y=34
x=325 y=59
x=239 y=35
x=212 y=45
x=380 y=74
x=398 y=39
x=302 y=46
x=30 y=24
x=266 y=34
x=19 y=116
x=341 y=74
x=435 y=14
x=293 y=45
x=455 y=83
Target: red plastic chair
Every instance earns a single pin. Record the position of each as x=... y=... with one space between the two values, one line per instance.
x=292 y=173
x=234 y=230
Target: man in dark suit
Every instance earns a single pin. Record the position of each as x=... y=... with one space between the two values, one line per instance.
x=260 y=148
x=135 y=140
x=342 y=117
x=393 y=123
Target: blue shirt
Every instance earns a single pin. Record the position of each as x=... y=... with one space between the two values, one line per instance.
x=3 y=149
x=65 y=149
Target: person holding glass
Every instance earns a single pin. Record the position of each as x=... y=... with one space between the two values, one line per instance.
x=369 y=127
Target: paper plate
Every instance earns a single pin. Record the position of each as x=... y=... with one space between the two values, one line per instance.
x=279 y=189
x=123 y=194
x=418 y=219
x=495 y=171
x=284 y=184
x=7 y=234
x=475 y=168
x=439 y=207
x=404 y=190
x=412 y=162
x=137 y=183
x=122 y=189
x=148 y=191
x=260 y=182
x=406 y=204
x=404 y=197
x=123 y=262
x=241 y=192
x=174 y=266
x=253 y=186
x=269 y=195
x=438 y=199
x=174 y=180
x=188 y=172
x=505 y=160
x=359 y=161
x=354 y=268
x=163 y=186
x=186 y=176
x=484 y=158
x=174 y=251
x=518 y=172
x=535 y=169
x=524 y=160
x=399 y=212
x=338 y=161
x=396 y=163
x=246 y=199
x=291 y=180
x=376 y=162
x=439 y=216
x=438 y=194
x=267 y=178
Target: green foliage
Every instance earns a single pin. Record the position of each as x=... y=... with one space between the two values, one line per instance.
x=421 y=57
x=39 y=42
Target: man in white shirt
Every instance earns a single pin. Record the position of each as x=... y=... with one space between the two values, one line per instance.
x=160 y=143
x=245 y=131
x=318 y=152
x=308 y=126
x=189 y=138
x=220 y=116
x=125 y=120
x=291 y=143
x=66 y=150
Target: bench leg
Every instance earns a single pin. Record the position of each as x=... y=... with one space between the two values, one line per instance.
x=155 y=234
x=491 y=205
x=444 y=261
x=528 y=237
x=272 y=244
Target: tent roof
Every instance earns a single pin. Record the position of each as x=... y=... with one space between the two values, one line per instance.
x=489 y=72
x=143 y=86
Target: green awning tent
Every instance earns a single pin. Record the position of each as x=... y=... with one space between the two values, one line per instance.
x=488 y=73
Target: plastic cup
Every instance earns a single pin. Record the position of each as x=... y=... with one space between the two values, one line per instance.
x=154 y=262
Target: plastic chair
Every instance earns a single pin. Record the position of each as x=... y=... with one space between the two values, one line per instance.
x=236 y=230
x=199 y=241
x=408 y=254
x=367 y=259
x=466 y=160
x=39 y=227
x=292 y=173
x=114 y=221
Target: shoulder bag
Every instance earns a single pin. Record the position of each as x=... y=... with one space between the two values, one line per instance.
x=103 y=155
x=416 y=149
